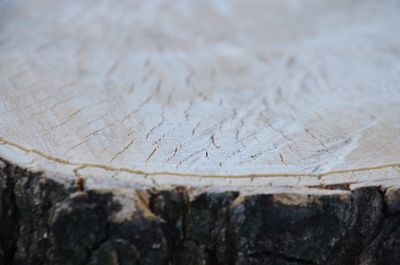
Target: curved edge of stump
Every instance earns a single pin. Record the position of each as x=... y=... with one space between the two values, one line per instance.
x=45 y=222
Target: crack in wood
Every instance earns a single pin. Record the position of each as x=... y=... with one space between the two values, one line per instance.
x=188 y=174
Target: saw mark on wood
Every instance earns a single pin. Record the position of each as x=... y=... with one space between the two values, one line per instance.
x=157 y=126
x=123 y=150
x=173 y=155
x=213 y=142
x=195 y=127
x=151 y=154
x=69 y=118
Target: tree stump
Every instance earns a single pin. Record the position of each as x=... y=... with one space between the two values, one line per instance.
x=199 y=132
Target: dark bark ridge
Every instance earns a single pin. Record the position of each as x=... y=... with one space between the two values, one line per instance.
x=45 y=222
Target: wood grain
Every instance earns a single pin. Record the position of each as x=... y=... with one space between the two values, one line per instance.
x=256 y=95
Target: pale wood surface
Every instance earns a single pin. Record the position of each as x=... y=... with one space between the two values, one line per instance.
x=228 y=94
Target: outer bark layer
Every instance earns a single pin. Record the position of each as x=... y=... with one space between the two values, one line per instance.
x=44 y=222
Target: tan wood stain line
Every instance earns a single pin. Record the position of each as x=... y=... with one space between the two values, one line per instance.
x=166 y=173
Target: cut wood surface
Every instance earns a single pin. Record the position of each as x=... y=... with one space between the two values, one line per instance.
x=226 y=94
x=203 y=132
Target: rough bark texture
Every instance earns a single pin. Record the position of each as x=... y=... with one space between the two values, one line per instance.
x=43 y=222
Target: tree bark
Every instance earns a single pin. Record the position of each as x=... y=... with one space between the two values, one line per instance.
x=45 y=222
